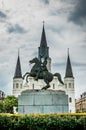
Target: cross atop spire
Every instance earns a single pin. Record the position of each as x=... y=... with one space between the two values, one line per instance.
x=18 y=73
x=69 y=72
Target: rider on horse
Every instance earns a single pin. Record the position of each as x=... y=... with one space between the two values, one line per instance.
x=42 y=68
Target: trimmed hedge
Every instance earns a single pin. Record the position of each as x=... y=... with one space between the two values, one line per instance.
x=43 y=122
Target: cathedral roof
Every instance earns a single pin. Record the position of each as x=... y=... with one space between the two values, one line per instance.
x=18 y=73
x=69 y=72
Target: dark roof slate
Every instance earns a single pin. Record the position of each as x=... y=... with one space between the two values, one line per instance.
x=43 y=49
x=18 y=73
x=69 y=72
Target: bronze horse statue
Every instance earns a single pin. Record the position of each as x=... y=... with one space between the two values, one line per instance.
x=40 y=71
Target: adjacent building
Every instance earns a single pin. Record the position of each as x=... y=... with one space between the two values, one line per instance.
x=80 y=104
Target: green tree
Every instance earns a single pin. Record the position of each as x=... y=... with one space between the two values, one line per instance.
x=9 y=103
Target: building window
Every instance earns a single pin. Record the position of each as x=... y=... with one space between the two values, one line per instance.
x=20 y=85
x=70 y=99
x=53 y=86
x=33 y=86
x=70 y=111
x=69 y=85
x=17 y=85
x=65 y=85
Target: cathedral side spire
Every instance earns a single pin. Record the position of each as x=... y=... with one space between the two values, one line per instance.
x=43 y=49
x=69 y=72
x=18 y=73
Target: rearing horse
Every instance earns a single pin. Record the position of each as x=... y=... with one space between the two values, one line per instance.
x=39 y=71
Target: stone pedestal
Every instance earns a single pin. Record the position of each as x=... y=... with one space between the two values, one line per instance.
x=42 y=101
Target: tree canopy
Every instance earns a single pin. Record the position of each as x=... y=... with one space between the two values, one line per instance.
x=9 y=103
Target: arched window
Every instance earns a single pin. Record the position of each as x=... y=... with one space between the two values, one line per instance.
x=33 y=86
x=53 y=86
x=70 y=111
x=65 y=85
x=20 y=85
x=69 y=85
x=70 y=99
x=17 y=85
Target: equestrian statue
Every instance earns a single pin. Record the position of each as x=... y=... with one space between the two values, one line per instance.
x=40 y=71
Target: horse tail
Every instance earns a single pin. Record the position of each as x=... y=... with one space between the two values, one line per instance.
x=27 y=73
x=59 y=77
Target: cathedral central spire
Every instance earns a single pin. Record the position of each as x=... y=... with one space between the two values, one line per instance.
x=43 y=49
x=43 y=38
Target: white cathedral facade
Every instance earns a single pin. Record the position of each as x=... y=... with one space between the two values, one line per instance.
x=19 y=84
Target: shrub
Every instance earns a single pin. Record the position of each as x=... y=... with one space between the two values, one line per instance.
x=5 y=122
x=42 y=122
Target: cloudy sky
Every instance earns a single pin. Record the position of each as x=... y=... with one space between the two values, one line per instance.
x=21 y=28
